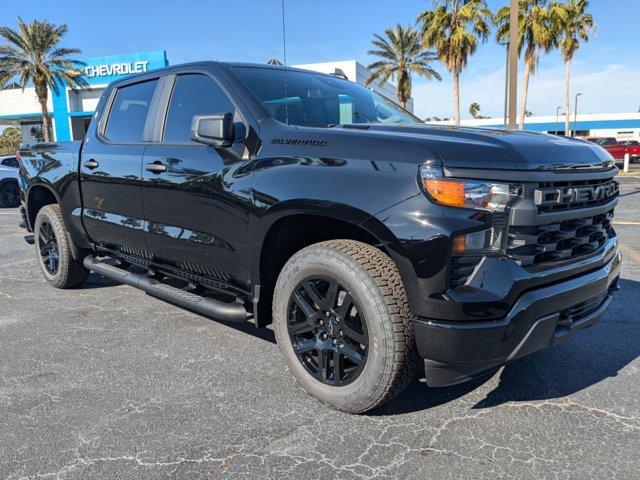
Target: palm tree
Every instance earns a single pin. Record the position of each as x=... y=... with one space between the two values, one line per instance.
x=536 y=31
x=453 y=29
x=575 y=25
x=474 y=109
x=32 y=54
x=401 y=55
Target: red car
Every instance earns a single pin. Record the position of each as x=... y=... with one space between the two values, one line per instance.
x=618 y=149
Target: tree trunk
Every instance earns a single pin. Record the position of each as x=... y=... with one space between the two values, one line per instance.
x=43 y=94
x=525 y=91
x=456 y=97
x=567 y=99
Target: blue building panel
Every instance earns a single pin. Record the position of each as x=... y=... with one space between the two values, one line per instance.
x=101 y=71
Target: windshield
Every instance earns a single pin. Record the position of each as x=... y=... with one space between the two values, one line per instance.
x=310 y=99
x=606 y=142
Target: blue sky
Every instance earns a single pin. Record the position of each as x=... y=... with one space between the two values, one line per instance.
x=607 y=69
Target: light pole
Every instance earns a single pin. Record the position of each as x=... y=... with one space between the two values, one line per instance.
x=575 y=114
x=557 y=113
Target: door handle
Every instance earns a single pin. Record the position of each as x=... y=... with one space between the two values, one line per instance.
x=156 y=167
x=91 y=164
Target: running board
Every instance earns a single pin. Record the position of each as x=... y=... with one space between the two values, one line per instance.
x=226 y=311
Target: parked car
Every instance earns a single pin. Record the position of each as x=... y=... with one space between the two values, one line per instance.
x=374 y=243
x=9 y=192
x=619 y=149
x=632 y=147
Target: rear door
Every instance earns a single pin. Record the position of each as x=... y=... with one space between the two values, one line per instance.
x=196 y=197
x=111 y=166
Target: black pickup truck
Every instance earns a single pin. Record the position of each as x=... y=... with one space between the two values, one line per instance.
x=374 y=243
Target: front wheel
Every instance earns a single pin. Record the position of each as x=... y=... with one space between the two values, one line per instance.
x=54 y=251
x=343 y=325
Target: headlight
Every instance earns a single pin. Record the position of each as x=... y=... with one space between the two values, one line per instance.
x=466 y=193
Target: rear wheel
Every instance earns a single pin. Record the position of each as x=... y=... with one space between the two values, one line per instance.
x=9 y=194
x=343 y=324
x=54 y=251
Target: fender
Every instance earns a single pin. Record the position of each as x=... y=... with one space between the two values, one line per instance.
x=78 y=252
x=383 y=236
x=54 y=167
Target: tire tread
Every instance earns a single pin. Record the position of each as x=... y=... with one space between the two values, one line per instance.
x=401 y=360
x=71 y=272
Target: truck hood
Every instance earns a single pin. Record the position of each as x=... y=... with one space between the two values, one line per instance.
x=466 y=147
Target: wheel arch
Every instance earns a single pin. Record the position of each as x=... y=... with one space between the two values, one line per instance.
x=38 y=195
x=290 y=228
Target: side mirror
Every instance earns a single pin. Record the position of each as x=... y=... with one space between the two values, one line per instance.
x=215 y=130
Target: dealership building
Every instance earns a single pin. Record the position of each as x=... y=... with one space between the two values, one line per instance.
x=71 y=110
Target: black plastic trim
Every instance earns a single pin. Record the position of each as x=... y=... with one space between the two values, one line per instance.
x=227 y=311
x=530 y=175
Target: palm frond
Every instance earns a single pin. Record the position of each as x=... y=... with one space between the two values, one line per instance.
x=400 y=53
x=32 y=54
x=573 y=23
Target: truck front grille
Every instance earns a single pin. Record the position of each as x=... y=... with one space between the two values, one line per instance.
x=560 y=241
x=570 y=195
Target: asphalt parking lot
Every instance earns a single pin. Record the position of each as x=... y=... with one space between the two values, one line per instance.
x=106 y=382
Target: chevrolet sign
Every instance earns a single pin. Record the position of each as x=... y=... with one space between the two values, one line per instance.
x=577 y=194
x=110 y=70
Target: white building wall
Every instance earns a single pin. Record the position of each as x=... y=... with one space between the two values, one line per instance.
x=15 y=101
x=85 y=100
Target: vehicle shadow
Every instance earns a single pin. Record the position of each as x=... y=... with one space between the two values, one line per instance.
x=97 y=281
x=587 y=358
x=633 y=192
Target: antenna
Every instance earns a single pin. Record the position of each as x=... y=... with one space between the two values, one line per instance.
x=284 y=54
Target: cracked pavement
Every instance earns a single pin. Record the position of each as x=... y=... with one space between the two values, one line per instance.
x=105 y=382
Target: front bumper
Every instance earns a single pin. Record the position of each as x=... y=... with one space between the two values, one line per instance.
x=455 y=352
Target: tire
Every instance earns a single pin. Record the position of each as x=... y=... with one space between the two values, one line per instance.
x=9 y=194
x=371 y=278
x=51 y=241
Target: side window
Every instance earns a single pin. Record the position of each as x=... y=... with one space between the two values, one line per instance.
x=128 y=113
x=10 y=162
x=193 y=94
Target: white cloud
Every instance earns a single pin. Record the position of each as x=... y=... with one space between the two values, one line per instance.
x=613 y=88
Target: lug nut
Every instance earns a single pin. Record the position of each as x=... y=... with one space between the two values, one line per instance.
x=334 y=341
x=321 y=322
x=324 y=336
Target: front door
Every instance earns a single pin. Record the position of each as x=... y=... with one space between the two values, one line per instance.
x=110 y=170
x=196 y=216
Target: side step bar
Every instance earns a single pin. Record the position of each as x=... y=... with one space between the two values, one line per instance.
x=227 y=311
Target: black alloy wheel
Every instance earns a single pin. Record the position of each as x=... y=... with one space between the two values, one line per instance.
x=327 y=330
x=48 y=245
x=10 y=195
